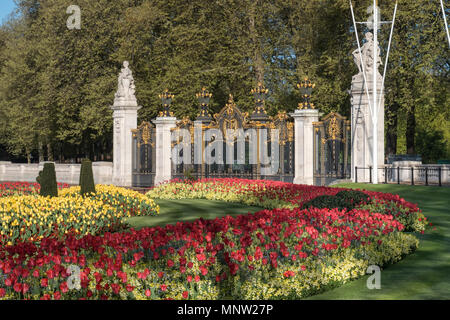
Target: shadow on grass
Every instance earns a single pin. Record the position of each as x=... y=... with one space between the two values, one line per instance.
x=173 y=211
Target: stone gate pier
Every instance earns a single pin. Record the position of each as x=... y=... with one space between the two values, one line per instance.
x=125 y=119
x=361 y=120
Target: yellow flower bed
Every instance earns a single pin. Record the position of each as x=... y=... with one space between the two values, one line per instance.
x=248 y=194
x=32 y=217
x=137 y=203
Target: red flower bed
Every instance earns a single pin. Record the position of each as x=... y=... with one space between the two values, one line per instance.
x=292 y=193
x=22 y=188
x=275 y=194
x=186 y=252
x=286 y=251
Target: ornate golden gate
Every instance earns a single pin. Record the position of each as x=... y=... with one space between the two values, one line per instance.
x=332 y=149
x=144 y=155
x=231 y=118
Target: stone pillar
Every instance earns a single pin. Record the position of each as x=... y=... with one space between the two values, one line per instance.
x=304 y=145
x=362 y=128
x=125 y=119
x=164 y=148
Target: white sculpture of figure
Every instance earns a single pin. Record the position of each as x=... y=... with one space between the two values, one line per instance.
x=367 y=52
x=126 y=87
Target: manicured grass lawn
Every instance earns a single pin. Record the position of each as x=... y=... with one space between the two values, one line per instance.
x=173 y=211
x=422 y=275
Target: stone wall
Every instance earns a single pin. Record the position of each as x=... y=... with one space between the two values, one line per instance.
x=65 y=173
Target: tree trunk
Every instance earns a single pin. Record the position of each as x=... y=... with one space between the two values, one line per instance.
x=50 y=152
x=392 y=129
x=41 y=151
x=258 y=61
x=28 y=156
x=61 y=154
x=411 y=131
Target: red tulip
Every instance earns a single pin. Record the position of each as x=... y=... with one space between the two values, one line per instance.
x=44 y=282
x=115 y=288
x=63 y=287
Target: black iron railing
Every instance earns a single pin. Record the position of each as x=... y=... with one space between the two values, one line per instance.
x=421 y=175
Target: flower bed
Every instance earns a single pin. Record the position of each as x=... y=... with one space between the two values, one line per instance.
x=22 y=188
x=284 y=253
x=270 y=254
x=130 y=202
x=32 y=217
x=274 y=194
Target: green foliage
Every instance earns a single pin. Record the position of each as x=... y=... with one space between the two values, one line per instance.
x=431 y=145
x=188 y=174
x=418 y=71
x=353 y=198
x=326 y=201
x=56 y=84
x=47 y=180
x=87 y=178
x=346 y=199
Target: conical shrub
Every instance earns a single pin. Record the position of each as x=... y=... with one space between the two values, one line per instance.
x=87 y=178
x=47 y=180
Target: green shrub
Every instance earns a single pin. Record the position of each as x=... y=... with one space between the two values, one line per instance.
x=47 y=180
x=347 y=199
x=87 y=178
x=325 y=201
x=353 y=198
x=188 y=175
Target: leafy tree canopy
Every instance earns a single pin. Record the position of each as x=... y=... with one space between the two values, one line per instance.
x=56 y=84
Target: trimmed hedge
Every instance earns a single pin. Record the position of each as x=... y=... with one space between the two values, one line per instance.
x=326 y=201
x=353 y=198
x=47 y=180
x=346 y=199
x=87 y=178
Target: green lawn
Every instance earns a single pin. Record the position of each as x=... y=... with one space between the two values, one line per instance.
x=173 y=211
x=422 y=275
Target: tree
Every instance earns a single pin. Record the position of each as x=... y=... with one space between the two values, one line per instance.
x=431 y=145
x=418 y=64
x=56 y=84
